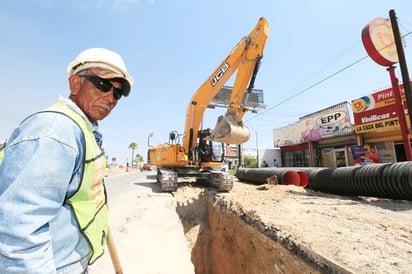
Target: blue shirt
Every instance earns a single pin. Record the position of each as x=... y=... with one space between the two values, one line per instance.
x=42 y=166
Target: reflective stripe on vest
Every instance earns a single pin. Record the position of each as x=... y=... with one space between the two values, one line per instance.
x=89 y=201
x=2 y=148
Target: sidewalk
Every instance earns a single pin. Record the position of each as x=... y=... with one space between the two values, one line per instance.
x=146 y=229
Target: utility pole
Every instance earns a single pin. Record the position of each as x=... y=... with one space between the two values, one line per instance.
x=405 y=77
x=402 y=62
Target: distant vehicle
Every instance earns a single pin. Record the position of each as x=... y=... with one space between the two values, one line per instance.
x=147 y=167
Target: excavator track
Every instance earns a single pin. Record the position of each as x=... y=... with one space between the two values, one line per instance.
x=167 y=180
x=219 y=180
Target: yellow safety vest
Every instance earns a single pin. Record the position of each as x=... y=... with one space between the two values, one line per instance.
x=89 y=202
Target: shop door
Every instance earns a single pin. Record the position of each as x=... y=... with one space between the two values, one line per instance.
x=340 y=157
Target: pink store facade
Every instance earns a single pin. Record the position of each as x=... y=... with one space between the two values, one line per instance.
x=329 y=138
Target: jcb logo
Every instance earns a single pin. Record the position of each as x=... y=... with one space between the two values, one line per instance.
x=219 y=74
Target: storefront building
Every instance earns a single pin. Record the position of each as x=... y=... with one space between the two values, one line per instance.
x=318 y=139
x=376 y=118
x=327 y=138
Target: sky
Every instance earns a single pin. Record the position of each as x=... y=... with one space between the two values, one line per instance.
x=314 y=58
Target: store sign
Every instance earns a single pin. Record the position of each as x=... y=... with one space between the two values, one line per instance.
x=376 y=100
x=327 y=151
x=333 y=117
x=377 y=111
x=379 y=42
x=389 y=124
x=330 y=122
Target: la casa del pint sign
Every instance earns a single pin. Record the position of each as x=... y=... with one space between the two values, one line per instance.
x=377 y=111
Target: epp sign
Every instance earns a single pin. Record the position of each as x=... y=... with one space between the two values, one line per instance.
x=331 y=118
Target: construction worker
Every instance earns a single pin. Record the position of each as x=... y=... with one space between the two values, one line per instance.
x=53 y=208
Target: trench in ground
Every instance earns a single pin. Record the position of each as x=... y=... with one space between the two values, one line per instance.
x=225 y=239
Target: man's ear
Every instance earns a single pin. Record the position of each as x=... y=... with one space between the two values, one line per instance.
x=74 y=84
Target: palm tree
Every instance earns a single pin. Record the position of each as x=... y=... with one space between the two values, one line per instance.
x=138 y=158
x=133 y=146
x=139 y=161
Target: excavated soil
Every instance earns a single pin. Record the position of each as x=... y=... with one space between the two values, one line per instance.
x=289 y=229
x=258 y=229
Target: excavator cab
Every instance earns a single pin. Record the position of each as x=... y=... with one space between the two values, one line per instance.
x=209 y=151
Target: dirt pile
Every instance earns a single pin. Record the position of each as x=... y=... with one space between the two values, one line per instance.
x=289 y=229
x=256 y=229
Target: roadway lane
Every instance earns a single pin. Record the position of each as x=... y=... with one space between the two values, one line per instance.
x=124 y=183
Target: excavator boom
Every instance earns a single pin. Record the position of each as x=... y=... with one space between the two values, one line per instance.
x=244 y=58
x=194 y=156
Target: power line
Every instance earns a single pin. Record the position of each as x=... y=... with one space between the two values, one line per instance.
x=315 y=84
x=310 y=87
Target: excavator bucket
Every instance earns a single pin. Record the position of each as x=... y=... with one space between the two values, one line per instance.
x=228 y=131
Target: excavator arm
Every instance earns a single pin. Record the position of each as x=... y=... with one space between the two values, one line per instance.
x=194 y=155
x=243 y=59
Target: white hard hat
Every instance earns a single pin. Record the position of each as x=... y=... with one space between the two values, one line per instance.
x=100 y=58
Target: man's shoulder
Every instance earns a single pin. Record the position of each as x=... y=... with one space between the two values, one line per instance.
x=51 y=120
x=51 y=125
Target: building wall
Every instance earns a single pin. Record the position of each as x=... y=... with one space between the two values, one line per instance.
x=268 y=155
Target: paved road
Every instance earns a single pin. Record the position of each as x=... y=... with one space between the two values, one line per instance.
x=147 y=231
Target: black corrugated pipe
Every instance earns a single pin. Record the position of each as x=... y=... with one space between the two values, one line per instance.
x=311 y=173
x=385 y=180
x=259 y=175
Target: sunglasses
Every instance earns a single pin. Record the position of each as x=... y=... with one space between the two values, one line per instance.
x=105 y=85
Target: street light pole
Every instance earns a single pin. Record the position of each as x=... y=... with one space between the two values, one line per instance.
x=151 y=134
x=148 y=138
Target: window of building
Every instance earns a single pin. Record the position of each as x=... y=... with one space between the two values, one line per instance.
x=296 y=158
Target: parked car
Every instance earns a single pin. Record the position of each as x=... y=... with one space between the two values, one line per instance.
x=147 y=167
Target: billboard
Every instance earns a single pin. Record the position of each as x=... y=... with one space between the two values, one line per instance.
x=333 y=121
x=378 y=111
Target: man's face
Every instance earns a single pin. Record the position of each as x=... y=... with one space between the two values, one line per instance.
x=95 y=103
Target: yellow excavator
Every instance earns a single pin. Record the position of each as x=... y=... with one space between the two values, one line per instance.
x=195 y=153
